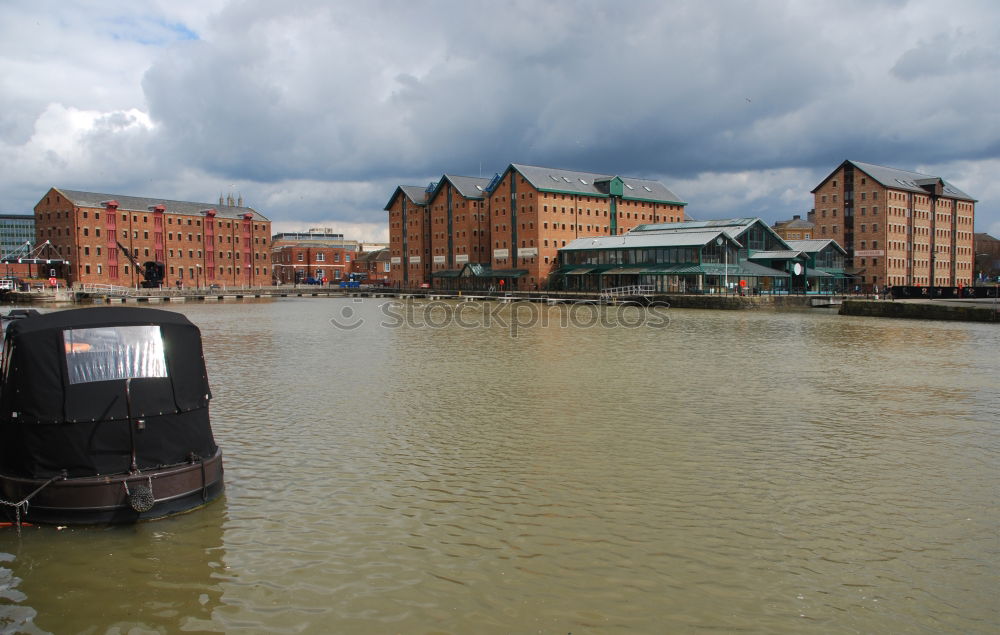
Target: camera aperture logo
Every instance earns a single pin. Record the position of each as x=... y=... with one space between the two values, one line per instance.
x=513 y=317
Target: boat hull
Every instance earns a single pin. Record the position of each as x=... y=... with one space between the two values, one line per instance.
x=106 y=499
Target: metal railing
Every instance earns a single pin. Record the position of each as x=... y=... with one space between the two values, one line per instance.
x=629 y=291
x=107 y=289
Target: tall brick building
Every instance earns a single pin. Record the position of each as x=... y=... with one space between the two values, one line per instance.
x=197 y=243
x=898 y=227
x=508 y=230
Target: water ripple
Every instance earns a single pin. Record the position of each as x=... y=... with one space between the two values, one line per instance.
x=747 y=471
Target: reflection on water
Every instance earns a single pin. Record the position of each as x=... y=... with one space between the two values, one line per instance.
x=769 y=472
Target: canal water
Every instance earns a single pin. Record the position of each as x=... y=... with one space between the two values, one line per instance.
x=445 y=468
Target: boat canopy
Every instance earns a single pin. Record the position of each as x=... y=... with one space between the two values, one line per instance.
x=71 y=379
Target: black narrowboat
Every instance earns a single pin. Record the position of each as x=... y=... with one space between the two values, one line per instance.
x=104 y=417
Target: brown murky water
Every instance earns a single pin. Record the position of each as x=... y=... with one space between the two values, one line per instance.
x=711 y=471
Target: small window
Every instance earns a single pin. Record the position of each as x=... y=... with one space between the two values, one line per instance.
x=110 y=353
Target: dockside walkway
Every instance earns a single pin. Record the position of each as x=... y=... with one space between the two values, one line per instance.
x=935 y=309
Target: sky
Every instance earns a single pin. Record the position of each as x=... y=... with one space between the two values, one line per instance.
x=314 y=110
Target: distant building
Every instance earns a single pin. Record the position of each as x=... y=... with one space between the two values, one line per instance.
x=372 y=267
x=795 y=229
x=197 y=244
x=17 y=240
x=898 y=227
x=506 y=231
x=326 y=263
x=987 y=249
x=324 y=235
x=16 y=232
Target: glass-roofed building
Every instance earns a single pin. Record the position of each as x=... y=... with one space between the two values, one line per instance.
x=825 y=270
x=712 y=256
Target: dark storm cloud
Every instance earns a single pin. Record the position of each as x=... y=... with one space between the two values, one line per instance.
x=324 y=94
x=315 y=109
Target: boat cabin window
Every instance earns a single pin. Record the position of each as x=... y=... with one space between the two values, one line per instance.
x=115 y=352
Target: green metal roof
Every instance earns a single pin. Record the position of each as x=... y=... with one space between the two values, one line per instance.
x=447 y=273
x=505 y=273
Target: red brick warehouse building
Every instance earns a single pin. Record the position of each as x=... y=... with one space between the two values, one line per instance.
x=465 y=231
x=198 y=244
x=898 y=227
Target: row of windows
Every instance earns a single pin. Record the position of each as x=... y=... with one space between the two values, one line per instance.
x=170 y=252
x=145 y=219
x=179 y=271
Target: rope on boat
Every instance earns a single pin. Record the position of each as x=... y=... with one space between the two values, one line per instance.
x=24 y=503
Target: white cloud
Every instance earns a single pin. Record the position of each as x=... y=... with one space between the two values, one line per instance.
x=316 y=110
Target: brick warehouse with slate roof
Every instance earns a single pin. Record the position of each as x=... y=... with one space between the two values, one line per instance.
x=505 y=232
x=898 y=227
x=199 y=244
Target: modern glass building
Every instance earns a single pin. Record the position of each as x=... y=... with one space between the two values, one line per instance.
x=730 y=255
x=825 y=267
x=17 y=234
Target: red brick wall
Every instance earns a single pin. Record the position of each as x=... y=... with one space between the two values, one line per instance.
x=298 y=262
x=81 y=236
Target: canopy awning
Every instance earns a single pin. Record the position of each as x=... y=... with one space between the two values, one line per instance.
x=505 y=273
x=446 y=273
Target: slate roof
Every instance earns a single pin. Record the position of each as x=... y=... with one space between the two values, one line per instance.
x=795 y=223
x=634 y=240
x=590 y=184
x=143 y=204
x=815 y=245
x=467 y=186
x=783 y=254
x=904 y=180
x=732 y=226
x=416 y=194
x=378 y=255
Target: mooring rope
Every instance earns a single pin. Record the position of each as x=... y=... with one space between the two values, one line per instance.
x=24 y=503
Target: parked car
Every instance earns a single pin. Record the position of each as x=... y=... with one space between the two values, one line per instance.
x=312 y=281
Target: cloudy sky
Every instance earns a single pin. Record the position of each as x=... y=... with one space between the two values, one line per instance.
x=313 y=110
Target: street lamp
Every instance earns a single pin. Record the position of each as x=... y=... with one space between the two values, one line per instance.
x=725 y=252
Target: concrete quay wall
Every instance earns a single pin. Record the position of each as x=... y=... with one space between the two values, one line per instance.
x=918 y=310
x=734 y=302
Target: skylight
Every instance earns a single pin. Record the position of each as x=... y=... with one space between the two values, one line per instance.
x=629 y=186
x=479 y=187
x=582 y=181
x=646 y=187
x=553 y=178
x=566 y=179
